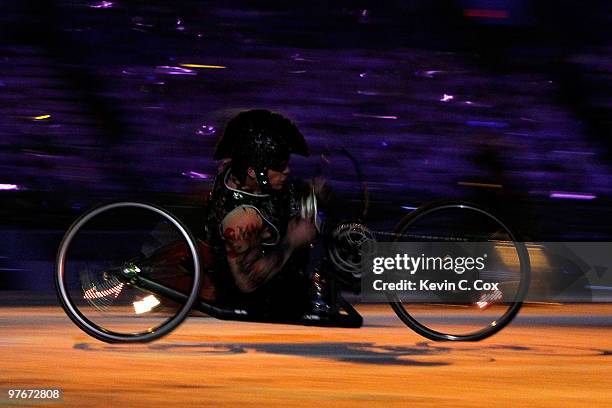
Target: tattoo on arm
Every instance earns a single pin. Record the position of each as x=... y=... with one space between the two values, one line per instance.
x=248 y=263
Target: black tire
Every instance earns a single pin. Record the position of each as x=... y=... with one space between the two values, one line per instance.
x=508 y=308
x=90 y=316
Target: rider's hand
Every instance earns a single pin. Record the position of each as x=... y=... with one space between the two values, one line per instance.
x=300 y=232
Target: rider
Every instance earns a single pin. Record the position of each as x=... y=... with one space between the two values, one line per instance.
x=252 y=222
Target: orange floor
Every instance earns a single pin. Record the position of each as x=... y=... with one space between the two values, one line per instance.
x=551 y=356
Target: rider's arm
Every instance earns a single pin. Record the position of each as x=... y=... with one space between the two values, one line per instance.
x=242 y=230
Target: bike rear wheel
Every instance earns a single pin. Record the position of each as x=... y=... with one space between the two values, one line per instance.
x=109 y=263
x=450 y=314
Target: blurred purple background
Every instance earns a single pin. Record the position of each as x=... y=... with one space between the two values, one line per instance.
x=505 y=102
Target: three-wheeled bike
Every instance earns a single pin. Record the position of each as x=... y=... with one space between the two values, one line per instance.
x=116 y=281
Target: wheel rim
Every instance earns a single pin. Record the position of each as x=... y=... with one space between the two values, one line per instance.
x=443 y=321
x=148 y=320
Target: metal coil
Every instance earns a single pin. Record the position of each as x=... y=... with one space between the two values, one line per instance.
x=347 y=247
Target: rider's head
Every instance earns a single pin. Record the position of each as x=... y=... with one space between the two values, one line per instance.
x=259 y=144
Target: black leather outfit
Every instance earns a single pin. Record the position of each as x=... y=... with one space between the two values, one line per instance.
x=287 y=292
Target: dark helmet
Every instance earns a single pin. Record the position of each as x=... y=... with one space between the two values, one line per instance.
x=262 y=140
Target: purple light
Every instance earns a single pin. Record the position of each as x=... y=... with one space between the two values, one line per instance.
x=196 y=175
x=206 y=130
x=446 y=98
x=9 y=187
x=572 y=196
x=102 y=4
x=428 y=74
x=368 y=93
x=484 y=123
x=363 y=115
x=299 y=57
x=169 y=70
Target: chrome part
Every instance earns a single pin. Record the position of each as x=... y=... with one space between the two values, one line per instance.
x=348 y=246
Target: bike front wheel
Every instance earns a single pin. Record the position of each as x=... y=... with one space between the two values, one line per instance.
x=110 y=264
x=447 y=310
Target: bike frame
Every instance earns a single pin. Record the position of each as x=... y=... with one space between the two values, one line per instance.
x=351 y=318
